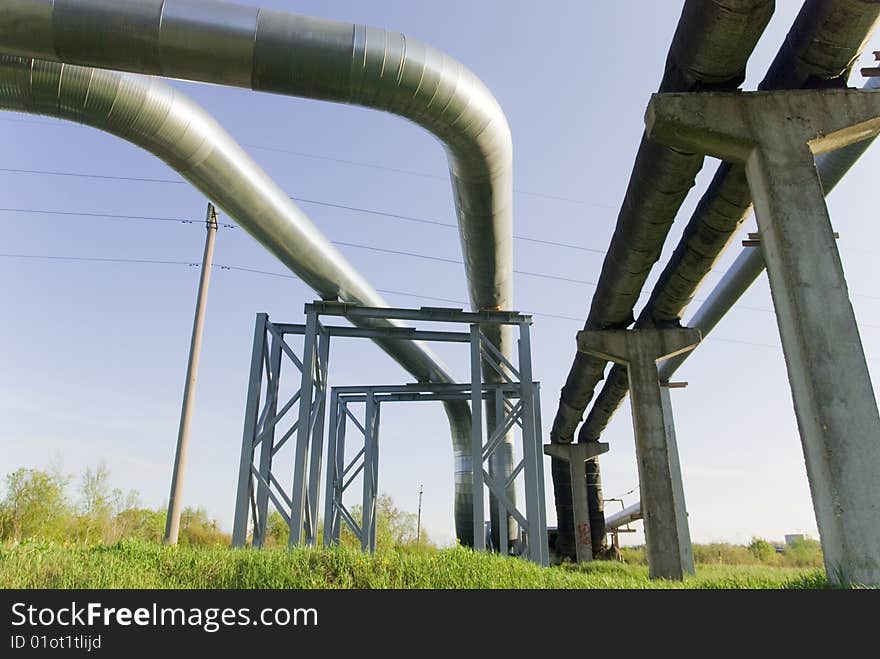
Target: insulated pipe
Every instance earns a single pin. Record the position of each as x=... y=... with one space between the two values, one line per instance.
x=747 y=267
x=823 y=43
x=161 y=120
x=629 y=514
x=819 y=51
x=286 y=53
x=709 y=50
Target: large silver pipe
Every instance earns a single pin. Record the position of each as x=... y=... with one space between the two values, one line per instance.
x=160 y=119
x=625 y=516
x=286 y=53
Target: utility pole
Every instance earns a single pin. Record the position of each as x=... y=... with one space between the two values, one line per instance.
x=172 y=522
x=419 y=520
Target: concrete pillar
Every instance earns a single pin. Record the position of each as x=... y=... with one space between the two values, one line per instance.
x=575 y=455
x=776 y=136
x=668 y=539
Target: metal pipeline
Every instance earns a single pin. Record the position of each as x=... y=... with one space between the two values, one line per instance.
x=747 y=267
x=629 y=514
x=158 y=118
x=315 y=58
x=824 y=41
x=819 y=51
x=286 y=53
x=710 y=48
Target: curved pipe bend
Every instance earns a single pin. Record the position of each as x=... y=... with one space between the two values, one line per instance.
x=296 y=55
x=286 y=53
x=158 y=118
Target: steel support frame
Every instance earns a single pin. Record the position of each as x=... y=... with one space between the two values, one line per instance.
x=516 y=403
x=269 y=428
x=511 y=411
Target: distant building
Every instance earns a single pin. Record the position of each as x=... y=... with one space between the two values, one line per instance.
x=791 y=538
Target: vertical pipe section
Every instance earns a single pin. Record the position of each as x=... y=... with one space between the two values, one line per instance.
x=172 y=520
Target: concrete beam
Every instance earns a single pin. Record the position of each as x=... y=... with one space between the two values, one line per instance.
x=575 y=455
x=670 y=554
x=730 y=125
x=776 y=135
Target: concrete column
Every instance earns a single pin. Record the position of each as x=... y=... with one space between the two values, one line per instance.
x=776 y=135
x=575 y=455
x=670 y=555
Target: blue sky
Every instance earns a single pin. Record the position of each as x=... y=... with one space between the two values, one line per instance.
x=93 y=355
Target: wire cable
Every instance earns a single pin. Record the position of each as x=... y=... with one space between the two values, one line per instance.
x=222 y=266
x=304 y=200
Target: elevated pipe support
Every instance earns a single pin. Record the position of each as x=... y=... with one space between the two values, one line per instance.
x=670 y=555
x=775 y=135
x=575 y=455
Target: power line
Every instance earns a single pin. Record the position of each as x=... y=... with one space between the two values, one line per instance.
x=332 y=205
x=44 y=172
x=290 y=276
x=97 y=259
x=442 y=259
x=223 y=266
x=410 y=218
x=111 y=216
x=316 y=202
x=371 y=248
x=346 y=161
x=428 y=257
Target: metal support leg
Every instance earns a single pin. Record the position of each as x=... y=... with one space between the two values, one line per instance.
x=317 y=448
x=477 y=441
x=542 y=501
x=369 y=493
x=503 y=540
x=340 y=467
x=255 y=382
x=537 y=533
x=303 y=434
x=375 y=476
x=268 y=444
x=334 y=470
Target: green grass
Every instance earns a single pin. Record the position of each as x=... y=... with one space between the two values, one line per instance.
x=144 y=565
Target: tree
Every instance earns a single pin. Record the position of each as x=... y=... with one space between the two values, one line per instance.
x=277 y=531
x=35 y=505
x=196 y=528
x=762 y=550
x=395 y=528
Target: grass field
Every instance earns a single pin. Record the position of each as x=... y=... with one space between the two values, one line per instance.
x=145 y=565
